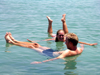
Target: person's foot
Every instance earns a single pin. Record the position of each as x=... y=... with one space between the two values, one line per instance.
x=63 y=18
x=7 y=38
x=10 y=35
x=49 y=19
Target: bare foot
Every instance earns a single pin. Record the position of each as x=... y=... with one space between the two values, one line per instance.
x=10 y=35
x=7 y=38
x=63 y=18
x=49 y=19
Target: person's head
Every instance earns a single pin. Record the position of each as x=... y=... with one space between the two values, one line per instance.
x=71 y=40
x=60 y=35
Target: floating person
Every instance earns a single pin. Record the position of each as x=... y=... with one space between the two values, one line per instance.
x=71 y=42
x=59 y=37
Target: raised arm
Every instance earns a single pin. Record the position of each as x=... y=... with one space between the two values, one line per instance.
x=87 y=43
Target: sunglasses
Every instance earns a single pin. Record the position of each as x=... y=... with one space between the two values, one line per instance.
x=61 y=35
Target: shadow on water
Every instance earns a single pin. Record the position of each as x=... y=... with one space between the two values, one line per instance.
x=8 y=46
x=70 y=65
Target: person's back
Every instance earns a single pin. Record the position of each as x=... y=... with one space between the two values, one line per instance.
x=75 y=52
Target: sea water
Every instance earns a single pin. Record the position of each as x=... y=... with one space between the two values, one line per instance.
x=26 y=19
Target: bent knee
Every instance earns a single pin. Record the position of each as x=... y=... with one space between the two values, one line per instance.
x=36 y=45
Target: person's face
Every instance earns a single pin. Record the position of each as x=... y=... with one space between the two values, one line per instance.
x=61 y=36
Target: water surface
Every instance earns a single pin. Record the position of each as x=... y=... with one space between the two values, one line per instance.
x=27 y=19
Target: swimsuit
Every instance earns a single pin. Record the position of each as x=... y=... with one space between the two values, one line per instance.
x=53 y=35
x=49 y=52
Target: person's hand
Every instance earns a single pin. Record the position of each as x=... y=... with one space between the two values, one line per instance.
x=36 y=62
x=30 y=40
x=93 y=44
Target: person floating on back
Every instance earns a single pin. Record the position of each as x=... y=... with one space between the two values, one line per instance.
x=71 y=42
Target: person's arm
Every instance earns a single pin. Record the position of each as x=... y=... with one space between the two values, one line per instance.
x=49 y=39
x=36 y=62
x=87 y=43
x=41 y=40
x=31 y=41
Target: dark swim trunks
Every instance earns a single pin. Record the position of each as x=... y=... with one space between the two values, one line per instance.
x=49 y=52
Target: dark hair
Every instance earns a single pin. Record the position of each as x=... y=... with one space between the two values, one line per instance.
x=56 y=40
x=71 y=37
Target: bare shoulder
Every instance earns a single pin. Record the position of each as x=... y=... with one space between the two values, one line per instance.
x=79 y=50
x=76 y=52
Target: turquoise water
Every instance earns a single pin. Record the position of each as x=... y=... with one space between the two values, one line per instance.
x=27 y=19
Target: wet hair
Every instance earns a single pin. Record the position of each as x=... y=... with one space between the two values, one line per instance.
x=71 y=37
x=56 y=40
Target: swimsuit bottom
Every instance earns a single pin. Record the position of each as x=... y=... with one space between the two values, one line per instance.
x=50 y=53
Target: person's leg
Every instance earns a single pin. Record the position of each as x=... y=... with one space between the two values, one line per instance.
x=34 y=46
x=7 y=38
x=64 y=23
x=50 y=31
x=10 y=35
